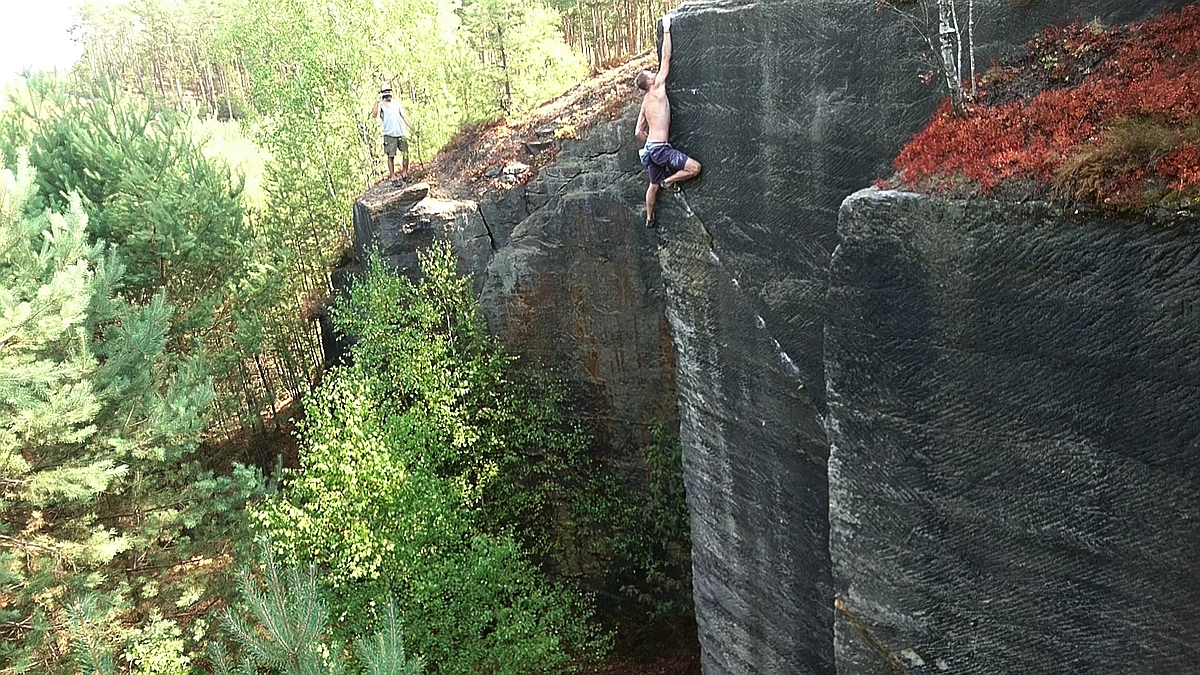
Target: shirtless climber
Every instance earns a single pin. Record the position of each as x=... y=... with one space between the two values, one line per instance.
x=667 y=166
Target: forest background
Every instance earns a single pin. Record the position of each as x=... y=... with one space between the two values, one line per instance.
x=169 y=213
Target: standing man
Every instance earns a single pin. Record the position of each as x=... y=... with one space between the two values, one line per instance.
x=667 y=166
x=395 y=128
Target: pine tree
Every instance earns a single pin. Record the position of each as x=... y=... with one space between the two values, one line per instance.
x=384 y=653
x=522 y=49
x=177 y=222
x=93 y=653
x=284 y=628
x=98 y=429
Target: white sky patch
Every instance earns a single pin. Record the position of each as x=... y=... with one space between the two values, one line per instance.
x=35 y=34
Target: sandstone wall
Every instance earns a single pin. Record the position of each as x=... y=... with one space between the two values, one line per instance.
x=1015 y=463
x=576 y=286
x=791 y=105
x=567 y=276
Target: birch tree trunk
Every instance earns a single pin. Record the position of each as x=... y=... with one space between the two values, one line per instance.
x=947 y=34
x=971 y=41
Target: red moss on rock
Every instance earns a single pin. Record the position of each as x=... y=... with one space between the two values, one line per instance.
x=1182 y=166
x=1109 y=116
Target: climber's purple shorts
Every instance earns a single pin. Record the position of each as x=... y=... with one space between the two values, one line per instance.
x=661 y=160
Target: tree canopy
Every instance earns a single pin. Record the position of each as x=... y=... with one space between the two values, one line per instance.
x=99 y=427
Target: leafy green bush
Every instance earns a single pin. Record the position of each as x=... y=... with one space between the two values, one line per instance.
x=402 y=487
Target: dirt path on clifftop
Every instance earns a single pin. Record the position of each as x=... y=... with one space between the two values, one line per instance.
x=508 y=152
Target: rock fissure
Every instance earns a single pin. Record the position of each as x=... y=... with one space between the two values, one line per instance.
x=488 y=230
x=893 y=661
x=604 y=153
x=743 y=297
x=783 y=145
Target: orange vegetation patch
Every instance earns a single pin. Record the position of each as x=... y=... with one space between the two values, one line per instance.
x=1109 y=116
x=471 y=160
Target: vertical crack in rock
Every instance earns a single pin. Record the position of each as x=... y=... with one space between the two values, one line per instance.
x=893 y=661
x=746 y=299
x=487 y=228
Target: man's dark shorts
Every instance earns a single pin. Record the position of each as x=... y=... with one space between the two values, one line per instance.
x=393 y=143
x=661 y=160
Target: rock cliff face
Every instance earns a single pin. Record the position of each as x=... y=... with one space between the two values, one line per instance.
x=791 y=106
x=977 y=460
x=567 y=275
x=577 y=285
x=568 y=278
x=1014 y=475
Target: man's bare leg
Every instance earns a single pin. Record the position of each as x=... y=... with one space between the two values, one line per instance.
x=651 y=198
x=404 y=168
x=391 y=167
x=690 y=170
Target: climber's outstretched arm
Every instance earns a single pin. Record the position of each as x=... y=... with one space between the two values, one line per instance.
x=665 y=67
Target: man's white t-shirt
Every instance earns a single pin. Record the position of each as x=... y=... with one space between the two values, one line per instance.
x=392 y=124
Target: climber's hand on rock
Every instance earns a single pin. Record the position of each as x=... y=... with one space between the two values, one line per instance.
x=666 y=23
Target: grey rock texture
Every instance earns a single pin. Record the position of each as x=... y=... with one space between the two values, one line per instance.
x=1014 y=473
x=385 y=225
x=790 y=105
x=576 y=286
x=395 y=222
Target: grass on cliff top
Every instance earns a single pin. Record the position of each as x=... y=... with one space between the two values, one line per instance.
x=468 y=164
x=1108 y=117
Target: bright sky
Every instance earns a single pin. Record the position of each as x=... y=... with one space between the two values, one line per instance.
x=33 y=33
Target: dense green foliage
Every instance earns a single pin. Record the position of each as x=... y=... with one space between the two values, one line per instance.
x=174 y=215
x=99 y=426
x=411 y=483
x=283 y=628
x=435 y=470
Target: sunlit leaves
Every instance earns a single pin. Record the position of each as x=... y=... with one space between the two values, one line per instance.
x=401 y=490
x=99 y=424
